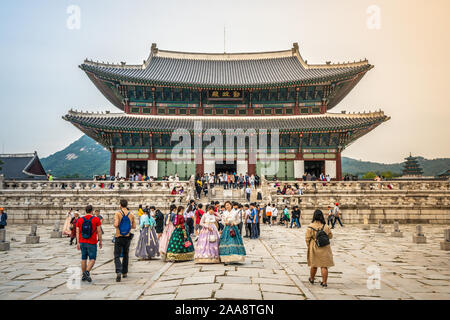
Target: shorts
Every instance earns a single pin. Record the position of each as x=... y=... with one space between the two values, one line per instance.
x=88 y=250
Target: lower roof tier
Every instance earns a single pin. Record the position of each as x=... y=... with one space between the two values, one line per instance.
x=122 y=122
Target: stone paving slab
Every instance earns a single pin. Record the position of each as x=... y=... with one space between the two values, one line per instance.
x=275 y=268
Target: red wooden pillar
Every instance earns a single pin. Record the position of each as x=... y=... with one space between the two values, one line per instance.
x=154 y=111
x=199 y=168
x=251 y=169
x=338 y=166
x=296 y=108
x=112 y=163
x=200 y=105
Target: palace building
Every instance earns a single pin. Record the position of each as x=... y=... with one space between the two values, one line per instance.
x=249 y=91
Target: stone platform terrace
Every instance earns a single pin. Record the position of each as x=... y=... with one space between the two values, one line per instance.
x=275 y=268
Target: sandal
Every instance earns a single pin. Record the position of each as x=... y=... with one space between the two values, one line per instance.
x=311 y=281
x=323 y=284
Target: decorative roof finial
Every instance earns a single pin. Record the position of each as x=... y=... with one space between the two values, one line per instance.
x=154 y=48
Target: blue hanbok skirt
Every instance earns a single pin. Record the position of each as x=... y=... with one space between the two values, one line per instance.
x=231 y=249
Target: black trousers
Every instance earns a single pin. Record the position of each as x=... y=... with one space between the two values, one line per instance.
x=240 y=227
x=248 y=229
x=190 y=226
x=122 y=244
x=258 y=227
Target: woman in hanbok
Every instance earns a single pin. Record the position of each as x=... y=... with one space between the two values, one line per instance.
x=168 y=230
x=207 y=248
x=231 y=246
x=180 y=246
x=148 y=245
x=66 y=228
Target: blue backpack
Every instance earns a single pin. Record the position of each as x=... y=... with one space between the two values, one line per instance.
x=125 y=225
x=86 y=228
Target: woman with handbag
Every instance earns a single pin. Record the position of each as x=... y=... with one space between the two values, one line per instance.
x=180 y=246
x=231 y=246
x=207 y=248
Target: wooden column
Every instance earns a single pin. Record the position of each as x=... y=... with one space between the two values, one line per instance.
x=154 y=111
x=200 y=104
x=250 y=102
x=338 y=166
x=112 y=163
x=296 y=108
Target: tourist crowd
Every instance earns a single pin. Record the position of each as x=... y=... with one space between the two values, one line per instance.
x=204 y=183
x=217 y=230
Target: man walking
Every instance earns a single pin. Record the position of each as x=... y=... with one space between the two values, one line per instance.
x=248 y=192
x=254 y=217
x=124 y=221
x=3 y=218
x=88 y=234
x=296 y=217
x=336 y=215
x=330 y=216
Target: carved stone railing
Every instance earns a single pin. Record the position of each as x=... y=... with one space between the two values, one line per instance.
x=71 y=185
x=407 y=201
x=357 y=186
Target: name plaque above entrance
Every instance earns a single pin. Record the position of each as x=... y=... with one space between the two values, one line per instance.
x=225 y=95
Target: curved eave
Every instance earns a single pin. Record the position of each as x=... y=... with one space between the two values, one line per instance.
x=88 y=122
x=99 y=73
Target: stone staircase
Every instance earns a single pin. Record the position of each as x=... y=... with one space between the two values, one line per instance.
x=220 y=194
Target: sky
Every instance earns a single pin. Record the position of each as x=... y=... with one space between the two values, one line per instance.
x=44 y=41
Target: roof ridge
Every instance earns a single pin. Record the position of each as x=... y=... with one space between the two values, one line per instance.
x=233 y=56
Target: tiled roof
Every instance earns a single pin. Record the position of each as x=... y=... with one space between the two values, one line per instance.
x=129 y=122
x=225 y=70
x=21 y=166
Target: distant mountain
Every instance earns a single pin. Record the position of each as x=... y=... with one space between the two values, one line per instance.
x=82 y=159
x=431 y=167
x=85 y=158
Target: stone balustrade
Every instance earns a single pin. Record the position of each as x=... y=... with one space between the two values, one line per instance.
x=71 y=185
x=406 y=202
x=354 y=186
x=45 y=202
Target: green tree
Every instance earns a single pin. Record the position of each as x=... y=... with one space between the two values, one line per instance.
x=1 y=165
x=387 y=174
x=369 y=175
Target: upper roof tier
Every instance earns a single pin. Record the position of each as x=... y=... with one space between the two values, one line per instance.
x=227 y=70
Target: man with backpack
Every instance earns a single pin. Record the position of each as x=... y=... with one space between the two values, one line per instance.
x=124 y=221
x=88 y=234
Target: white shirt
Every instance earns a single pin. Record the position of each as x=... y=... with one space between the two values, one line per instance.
x=229 y=217
x=275 y=212
x=248 y=190
x=336 y=210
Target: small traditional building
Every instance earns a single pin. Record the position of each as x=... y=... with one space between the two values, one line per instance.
x=230 y=91
x=23 y=166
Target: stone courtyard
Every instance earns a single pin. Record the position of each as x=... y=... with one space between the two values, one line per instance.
x=275 y=268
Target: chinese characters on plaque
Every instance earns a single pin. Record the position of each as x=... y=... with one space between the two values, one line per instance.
x=225 y=94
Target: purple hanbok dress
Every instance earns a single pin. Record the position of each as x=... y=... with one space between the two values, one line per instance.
x=207 y=247
x=148 y=245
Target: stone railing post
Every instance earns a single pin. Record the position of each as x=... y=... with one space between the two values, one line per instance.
x=445 y=245
x=2 y=181
x=4 y=245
